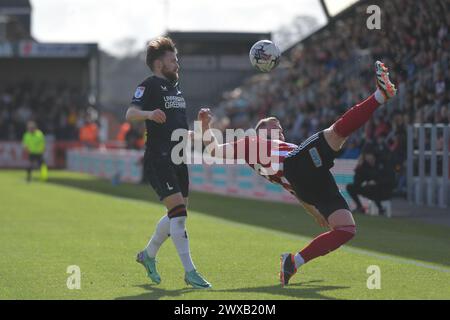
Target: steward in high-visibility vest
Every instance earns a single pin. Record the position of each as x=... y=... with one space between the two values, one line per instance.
x=33 y=142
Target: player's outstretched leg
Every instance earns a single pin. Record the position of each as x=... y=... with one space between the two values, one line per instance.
x=147 y=257
x=343 y=229
x=341 y=222
x=358 y=115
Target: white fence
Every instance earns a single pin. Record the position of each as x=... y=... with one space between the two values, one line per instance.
x=428 y=165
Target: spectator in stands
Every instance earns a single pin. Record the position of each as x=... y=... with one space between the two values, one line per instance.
x=131 y=135
x=134 y=138
x=89 y=133
x=374 y=179
x=397 y=148
x=55 y=108
x=123 y=130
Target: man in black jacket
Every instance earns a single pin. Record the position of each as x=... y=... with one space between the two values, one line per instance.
x=374 y=179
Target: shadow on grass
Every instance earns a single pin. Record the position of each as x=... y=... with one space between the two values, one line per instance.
x=398 y=237
x=155 y=293
x=303 y=290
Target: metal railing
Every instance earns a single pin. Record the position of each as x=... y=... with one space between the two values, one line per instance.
x=428 y=165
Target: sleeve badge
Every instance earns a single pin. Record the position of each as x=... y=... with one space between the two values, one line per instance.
x=139 y=92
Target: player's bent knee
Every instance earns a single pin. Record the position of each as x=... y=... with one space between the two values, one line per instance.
x=341 y=217
x=178 y=211
x=334 y=140
x=349 y=229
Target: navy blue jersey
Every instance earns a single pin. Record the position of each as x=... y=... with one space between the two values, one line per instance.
x=158 y=93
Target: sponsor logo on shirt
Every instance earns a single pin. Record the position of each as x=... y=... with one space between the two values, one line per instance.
x=173 y=102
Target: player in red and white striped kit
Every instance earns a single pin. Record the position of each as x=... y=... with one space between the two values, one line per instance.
x=304 y=170
x=267 y=164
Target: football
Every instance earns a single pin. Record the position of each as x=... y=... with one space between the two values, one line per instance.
x=265 y=55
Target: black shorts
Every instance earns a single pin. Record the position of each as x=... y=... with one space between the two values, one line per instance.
x=36 y=158
x=165 y=177
x=307 y=169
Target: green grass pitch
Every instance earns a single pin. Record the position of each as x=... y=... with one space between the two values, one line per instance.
x=78 y=220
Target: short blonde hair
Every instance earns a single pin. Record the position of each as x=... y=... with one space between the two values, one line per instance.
x=263 y=122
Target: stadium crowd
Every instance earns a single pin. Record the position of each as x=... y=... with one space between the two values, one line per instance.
x=333 y=69
x=60 y=111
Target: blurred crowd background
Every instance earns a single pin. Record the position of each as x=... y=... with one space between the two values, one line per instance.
x=59 y=111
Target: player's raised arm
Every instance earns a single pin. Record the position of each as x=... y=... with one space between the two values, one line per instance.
x=212 y=145
x=205 y=116
x=136 y=114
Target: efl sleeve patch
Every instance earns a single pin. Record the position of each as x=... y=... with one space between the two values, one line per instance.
x=139 y=92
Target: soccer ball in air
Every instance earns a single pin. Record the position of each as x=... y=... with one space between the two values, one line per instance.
x=265 y=55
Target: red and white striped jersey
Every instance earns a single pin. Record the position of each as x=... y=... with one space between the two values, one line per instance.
x=265 y=157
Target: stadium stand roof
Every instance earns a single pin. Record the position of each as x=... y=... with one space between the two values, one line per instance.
x=217 y=36
x=15 y=3
x=15 y=20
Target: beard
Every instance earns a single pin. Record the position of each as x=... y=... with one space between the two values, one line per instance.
x=170 y=75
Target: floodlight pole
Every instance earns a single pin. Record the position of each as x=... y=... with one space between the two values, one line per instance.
x=325 y=9
x=166 y=15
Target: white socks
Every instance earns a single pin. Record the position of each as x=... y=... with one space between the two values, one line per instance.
x=379 y=97
x=181 y=241
x=298 y=260
x=161 y=234
x=176 y=228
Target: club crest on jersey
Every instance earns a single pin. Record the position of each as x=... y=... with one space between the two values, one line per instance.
x=164 y=88
x=139 y=92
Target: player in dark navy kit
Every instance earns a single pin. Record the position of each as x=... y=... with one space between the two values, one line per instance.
x=159 y=102
x=304 y=170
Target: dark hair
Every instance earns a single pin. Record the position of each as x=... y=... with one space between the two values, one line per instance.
x=158 y=48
